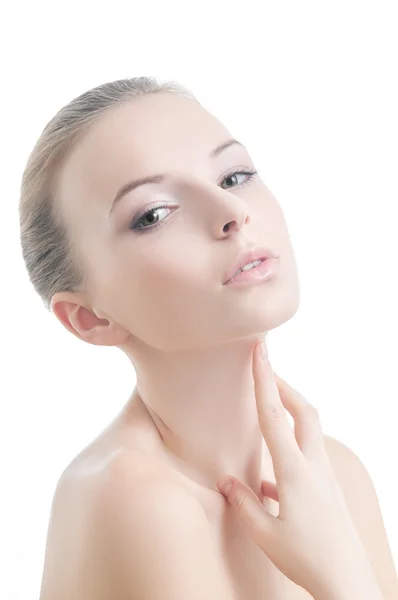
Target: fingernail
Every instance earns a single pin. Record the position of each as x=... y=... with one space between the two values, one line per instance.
x=263 y=350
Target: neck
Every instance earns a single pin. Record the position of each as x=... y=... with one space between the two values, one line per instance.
x=203 y=405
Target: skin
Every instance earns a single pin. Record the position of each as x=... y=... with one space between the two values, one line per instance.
x=160 y=298
x=159 y=295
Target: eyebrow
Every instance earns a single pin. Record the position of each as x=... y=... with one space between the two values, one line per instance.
x=160 y=178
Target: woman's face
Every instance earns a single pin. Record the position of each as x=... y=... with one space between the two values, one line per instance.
x=160 y=276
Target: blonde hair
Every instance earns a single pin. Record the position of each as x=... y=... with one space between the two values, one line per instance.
x=48 y=247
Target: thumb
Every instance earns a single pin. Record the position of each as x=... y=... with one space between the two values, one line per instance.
x=258 y=521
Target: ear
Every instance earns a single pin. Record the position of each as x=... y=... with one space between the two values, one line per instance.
x=81 y=320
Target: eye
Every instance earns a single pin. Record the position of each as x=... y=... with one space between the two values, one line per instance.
x=136 y=225
x=149 y=214
x=248 y=174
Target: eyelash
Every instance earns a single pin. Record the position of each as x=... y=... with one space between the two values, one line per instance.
x=140 y=230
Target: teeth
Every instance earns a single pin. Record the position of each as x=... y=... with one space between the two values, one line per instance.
x=248 y=266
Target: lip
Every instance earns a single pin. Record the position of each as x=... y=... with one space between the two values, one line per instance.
x=258 y=253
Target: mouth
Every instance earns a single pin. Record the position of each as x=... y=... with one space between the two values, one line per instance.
x=256 y=272
x=249 y=266
x=248 y=259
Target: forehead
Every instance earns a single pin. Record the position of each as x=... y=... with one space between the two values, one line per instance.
x=147 y=131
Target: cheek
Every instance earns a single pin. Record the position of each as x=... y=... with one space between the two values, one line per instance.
x=182 y=270
x=176 y=281
x=161 y=301
x=156 y=287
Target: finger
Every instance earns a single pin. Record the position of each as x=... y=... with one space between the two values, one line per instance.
x=307 y=425
x=269 y=490
x=260 y=523
x=274 y=425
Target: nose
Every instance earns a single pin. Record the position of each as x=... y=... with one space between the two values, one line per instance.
x=235 y=225
x=235 y=210
x=226 y=212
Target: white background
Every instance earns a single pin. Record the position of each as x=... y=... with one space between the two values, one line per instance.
x=310 y=88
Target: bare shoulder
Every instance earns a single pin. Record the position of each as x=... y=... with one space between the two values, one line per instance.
x=136 y=485
x=364 y=507
x=158 y=536
x=338 y=450
x=73 y=563
x=70 y=560
x=100 y=516
x=133 y=473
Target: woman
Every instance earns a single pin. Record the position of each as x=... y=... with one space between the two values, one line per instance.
x=146 y=265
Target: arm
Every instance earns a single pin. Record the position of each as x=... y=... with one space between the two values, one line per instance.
x=160 y=544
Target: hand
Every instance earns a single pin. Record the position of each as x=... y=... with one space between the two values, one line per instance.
x=313 y=540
